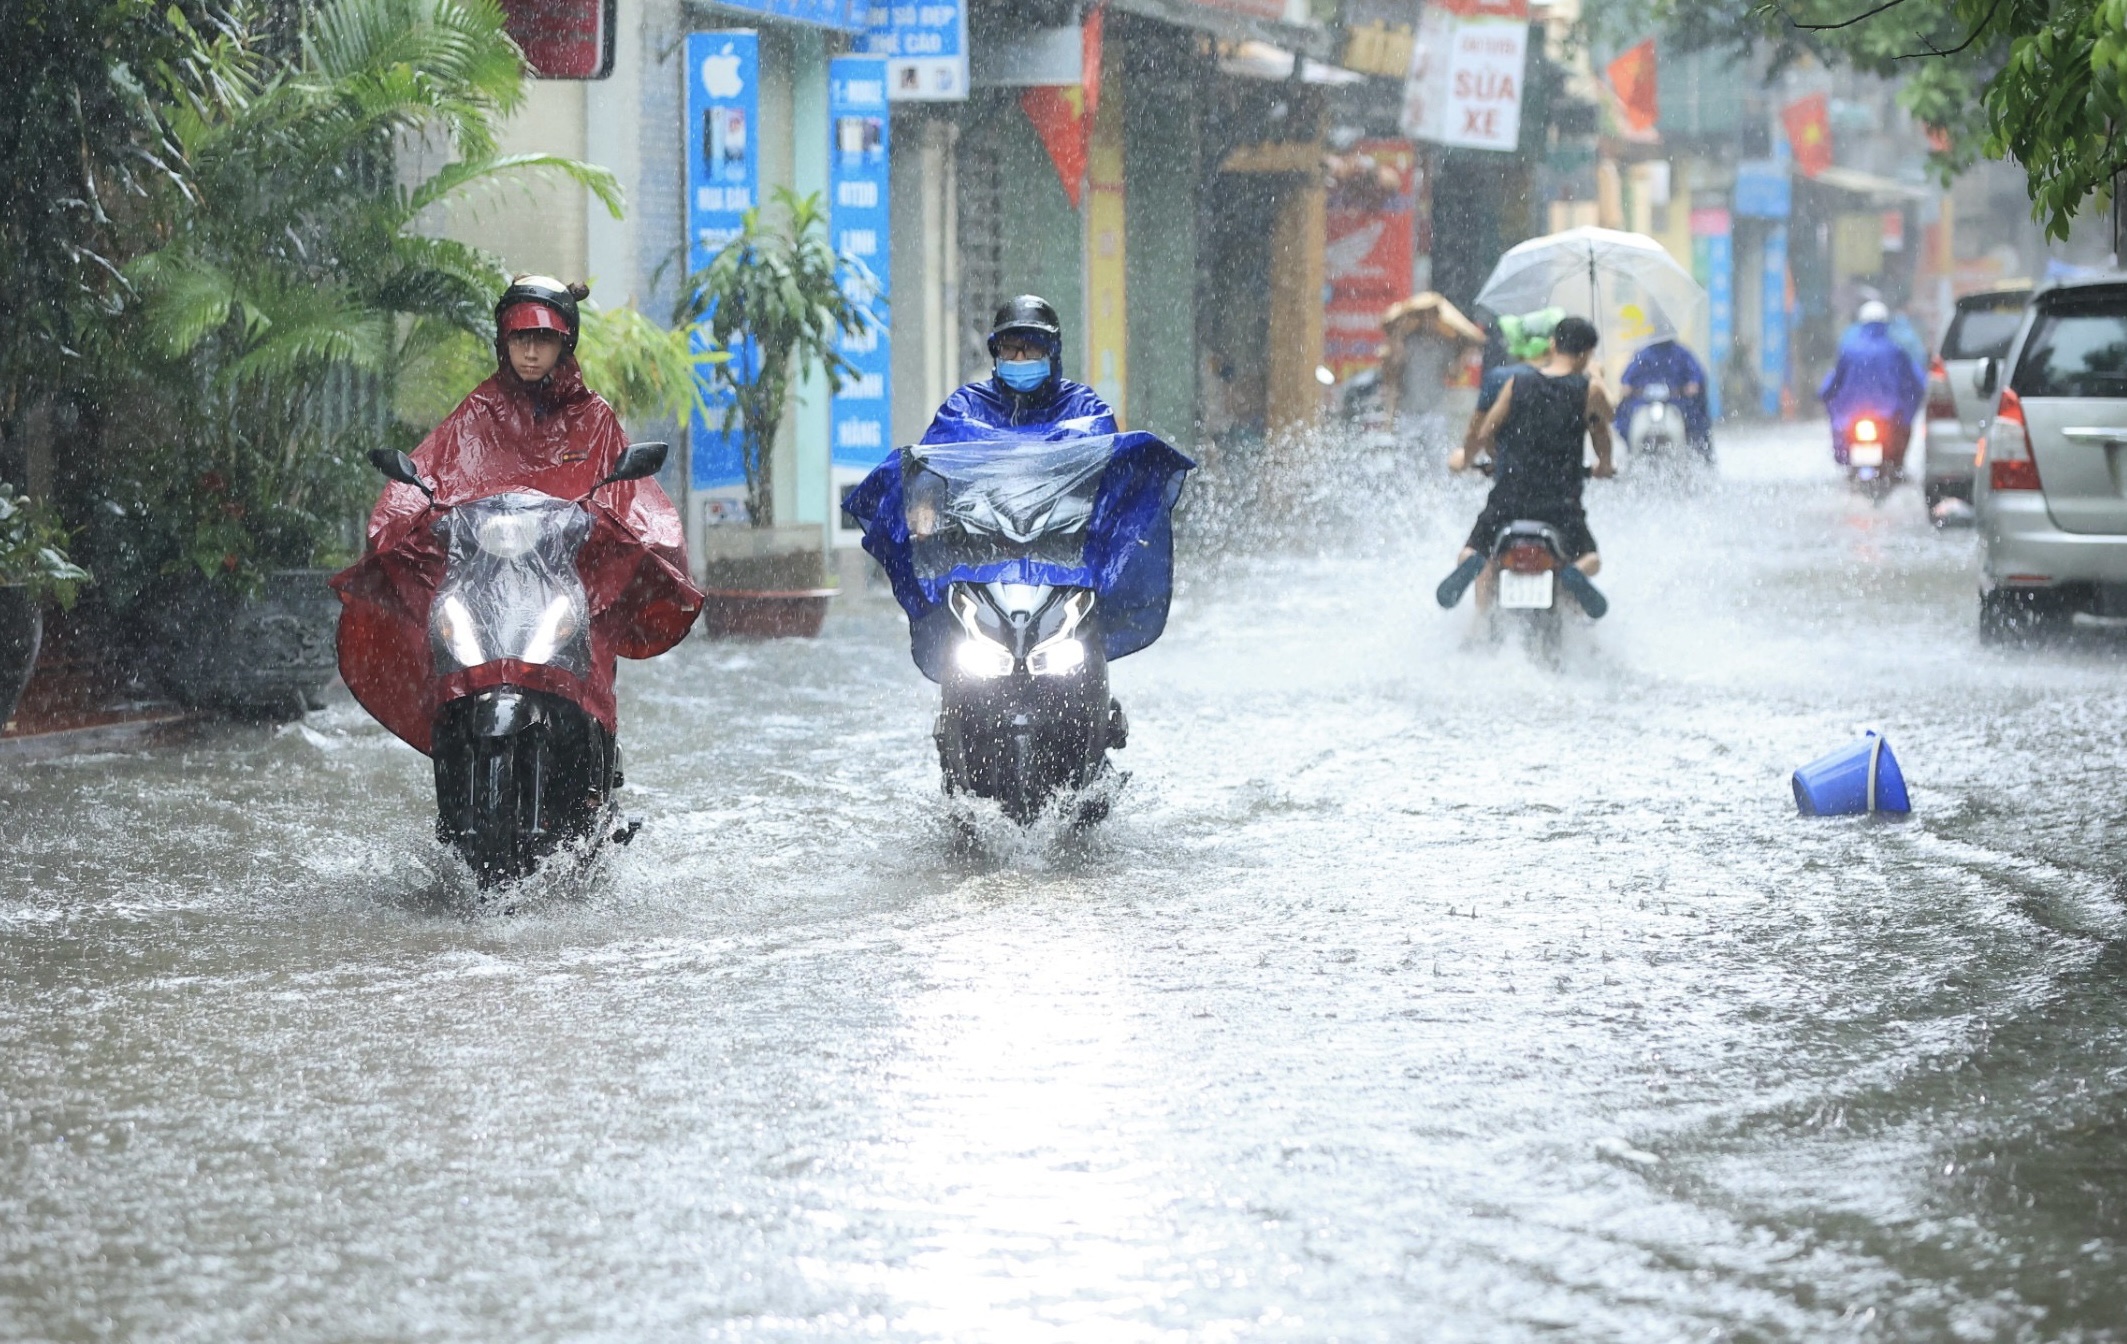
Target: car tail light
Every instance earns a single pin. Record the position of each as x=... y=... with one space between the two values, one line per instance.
x=1865 y=431
x=1529 y=560
x=1941 y=405
x=2006 y=448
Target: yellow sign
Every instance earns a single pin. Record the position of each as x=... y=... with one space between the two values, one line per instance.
x=1107 y=313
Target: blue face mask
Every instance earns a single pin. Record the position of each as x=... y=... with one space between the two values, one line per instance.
x=1023 y=375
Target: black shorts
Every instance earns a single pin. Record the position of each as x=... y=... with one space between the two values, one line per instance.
x=1568 y=517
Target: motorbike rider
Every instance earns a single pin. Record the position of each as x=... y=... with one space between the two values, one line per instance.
x=1535 y=431
x=532 y=426
x=1873 y=377
x=1523 y=340
x=1026 y=388
x=1669 y=363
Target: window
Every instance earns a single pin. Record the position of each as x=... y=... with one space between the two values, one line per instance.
x=1983 y=328
x=2078 y=351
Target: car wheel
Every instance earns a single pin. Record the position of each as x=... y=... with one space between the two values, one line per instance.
x=2012 y=616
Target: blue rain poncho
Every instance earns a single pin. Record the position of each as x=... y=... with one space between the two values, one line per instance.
x=988 y=404
x=1670 y=363
x=1874 y=376
x=1044 y=507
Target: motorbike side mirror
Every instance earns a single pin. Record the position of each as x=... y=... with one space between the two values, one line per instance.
x=1985 y=375
x=399 y=467
x=641 y=460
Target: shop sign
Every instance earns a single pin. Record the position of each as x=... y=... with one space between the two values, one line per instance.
x=846 y=16
x=925 y=46
x=1370 y=246
x=857 y=180
x=1763 y=190
x=723 y=111
x=1465 y=82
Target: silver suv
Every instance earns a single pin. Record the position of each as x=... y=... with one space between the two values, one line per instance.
x=1981 y=328
x=2051 y=484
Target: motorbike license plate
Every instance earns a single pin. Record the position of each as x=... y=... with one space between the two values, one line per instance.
x=1866 y=455
x=1525 y=592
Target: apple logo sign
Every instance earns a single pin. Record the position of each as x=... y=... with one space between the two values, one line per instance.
x=720 y=74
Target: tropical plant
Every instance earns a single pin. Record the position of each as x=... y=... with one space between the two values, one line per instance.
x=33 y=550
x=293 y=280
x=771 y=296
x=643 y=369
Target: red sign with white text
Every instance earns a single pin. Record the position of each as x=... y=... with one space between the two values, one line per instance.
x=562 y=39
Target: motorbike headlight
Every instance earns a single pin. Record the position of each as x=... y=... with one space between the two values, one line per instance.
x=454 y=625
x=983 y=658
x=507 y=536
x=1057 y=658
x=556 y=624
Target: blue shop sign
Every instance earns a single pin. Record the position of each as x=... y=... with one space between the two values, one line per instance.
x=1763 y=190
x=859 y=125
x=925 y=46
x=846 y=16
x=723 y=111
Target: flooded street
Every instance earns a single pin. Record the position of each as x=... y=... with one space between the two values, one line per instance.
x=1414 y=990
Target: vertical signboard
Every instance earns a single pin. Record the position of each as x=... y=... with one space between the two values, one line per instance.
x=1465 y=82
x=858 y=126
x=1714 y=266
x=723 y=110
x=1772 y=342
x=1107 y=313
x=562 y=39
x=925 y=46
x=1371 y=239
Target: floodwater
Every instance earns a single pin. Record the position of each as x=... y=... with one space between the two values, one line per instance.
x=1415 y=990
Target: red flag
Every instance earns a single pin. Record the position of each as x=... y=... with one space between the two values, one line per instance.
x=1058 y=112
x=1809 y=133
x=1632 y=79
x=1063 y=114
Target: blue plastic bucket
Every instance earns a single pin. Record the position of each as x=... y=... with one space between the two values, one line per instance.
x=1862 y=776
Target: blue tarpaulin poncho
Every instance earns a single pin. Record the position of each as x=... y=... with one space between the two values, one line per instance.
x=1044 y=506
x=1670 y=363
x=1874 y=376
x=988 y=404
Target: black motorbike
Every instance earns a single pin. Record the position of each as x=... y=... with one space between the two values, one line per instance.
x=520 y=772
x=1024 y=711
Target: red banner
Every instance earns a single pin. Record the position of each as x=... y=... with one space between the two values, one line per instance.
x=1809 y=133
x=1632 y=79
x=1371 y=241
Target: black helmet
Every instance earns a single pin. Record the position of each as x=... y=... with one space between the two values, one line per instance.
x=1028 y=312
x=540 y=299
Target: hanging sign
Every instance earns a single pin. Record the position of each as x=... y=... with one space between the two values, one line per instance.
x=857 y=180
x=1371 y=241
x=925 y=46
x=723 y=110
x=1465 y=81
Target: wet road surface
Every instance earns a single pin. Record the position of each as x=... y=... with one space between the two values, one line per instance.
x=1414 y=990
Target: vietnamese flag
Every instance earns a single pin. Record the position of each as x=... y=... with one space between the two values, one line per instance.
x=1632 y=80
x=1063 y=113
x=1809 y=133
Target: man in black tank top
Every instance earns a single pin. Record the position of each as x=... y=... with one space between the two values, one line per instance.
x=1535 y=432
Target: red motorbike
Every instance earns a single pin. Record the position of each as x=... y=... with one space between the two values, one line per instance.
x=483 y=632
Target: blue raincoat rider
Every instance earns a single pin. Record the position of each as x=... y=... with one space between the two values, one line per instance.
x=1667 y=362
x=1873 y=377
x=1026 y=388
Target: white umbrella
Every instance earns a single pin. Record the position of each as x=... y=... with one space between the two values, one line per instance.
x=1625 y=283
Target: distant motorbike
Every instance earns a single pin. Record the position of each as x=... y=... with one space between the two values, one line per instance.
x=519 y=770
x=1873 y=452
x=1656 y=434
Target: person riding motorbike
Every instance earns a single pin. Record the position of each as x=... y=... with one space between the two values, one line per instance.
x=1536 y=430
x=1026 y=388
x=1873 y=378
x=531 y=426
x=1667 y=363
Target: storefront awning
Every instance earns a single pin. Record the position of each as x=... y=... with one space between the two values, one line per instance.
x=1260 y=60
x=1239 y=21
x=1879 y=190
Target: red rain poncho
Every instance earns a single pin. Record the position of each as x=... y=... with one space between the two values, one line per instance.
x=558 y=439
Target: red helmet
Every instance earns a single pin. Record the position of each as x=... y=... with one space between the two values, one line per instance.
x=539 y=303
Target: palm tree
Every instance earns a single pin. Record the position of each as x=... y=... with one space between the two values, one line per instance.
x=293 y=278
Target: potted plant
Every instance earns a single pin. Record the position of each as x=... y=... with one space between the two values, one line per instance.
x=34 y=568
x=290 y=282
x=773 y=298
